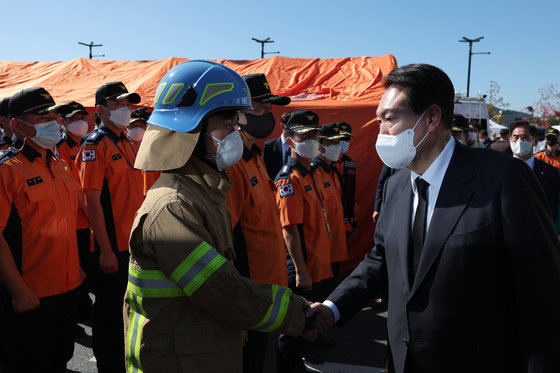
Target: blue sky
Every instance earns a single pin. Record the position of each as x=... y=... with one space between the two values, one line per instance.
x=523 y=37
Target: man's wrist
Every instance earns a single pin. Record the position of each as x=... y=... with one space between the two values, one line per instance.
x=333 y=308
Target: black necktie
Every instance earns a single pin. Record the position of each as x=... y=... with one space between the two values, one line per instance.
x=419 y=228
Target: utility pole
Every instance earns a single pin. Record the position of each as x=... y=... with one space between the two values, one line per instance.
x=471 y=41
x=91 y=46
x=263 y=42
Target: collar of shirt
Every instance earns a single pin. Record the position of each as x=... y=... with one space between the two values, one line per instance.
x=283 y=138
x=531 y=162
x=32 y=154
x=434 y=176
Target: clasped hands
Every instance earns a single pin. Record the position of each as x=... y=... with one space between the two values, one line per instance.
x=318 y=318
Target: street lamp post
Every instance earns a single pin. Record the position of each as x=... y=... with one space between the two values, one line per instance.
x=263 y=42
x=471 y=41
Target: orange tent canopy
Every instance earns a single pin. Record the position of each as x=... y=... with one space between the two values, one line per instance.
x=341 y=89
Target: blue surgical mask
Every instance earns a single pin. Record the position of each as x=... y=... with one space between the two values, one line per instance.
x=344 y=145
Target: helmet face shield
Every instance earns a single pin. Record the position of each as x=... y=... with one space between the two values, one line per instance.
x=195 y=89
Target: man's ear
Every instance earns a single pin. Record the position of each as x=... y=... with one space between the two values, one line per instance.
x=22 y=129
x=433 y=114
x=290 y=142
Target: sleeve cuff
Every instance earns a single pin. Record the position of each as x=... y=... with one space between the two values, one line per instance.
x=333 y=308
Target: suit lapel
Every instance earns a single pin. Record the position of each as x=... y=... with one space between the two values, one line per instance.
x=400 y=229
x=453 y=198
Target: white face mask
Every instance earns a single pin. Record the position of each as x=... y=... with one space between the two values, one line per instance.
x=48 y=134
x=397 y=151
x=229 y=152
x=120 y=117
x=77 y=128
x=473 y=136
x=307 y=149
x=521 y=148
x=344 y=145
x=136 y=133
x=332 y=152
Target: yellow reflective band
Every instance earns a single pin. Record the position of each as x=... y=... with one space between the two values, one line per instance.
x=213 y=89
x=151 y=284
x=277 y=311
x=159 y=90
x=197 y=267
x=173 y=92
x=136 y=320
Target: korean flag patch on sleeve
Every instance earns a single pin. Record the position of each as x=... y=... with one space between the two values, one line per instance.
x=88 y=155
x=286 y=190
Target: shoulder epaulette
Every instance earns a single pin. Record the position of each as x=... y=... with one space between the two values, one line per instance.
x=285 y=172
x=7 y=154
x=94 y=137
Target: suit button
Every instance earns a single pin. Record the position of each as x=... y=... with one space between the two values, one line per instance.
x=405 y=341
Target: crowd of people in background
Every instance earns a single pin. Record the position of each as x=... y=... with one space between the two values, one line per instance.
x=70 y=196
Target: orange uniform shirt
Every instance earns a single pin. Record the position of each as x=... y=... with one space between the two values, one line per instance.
x=150 y=178
x=329 y=187
x=298 y=203
x=255 y=221
x=38 y=216
x=550 y=158
x=67 y=150
x=106 y=164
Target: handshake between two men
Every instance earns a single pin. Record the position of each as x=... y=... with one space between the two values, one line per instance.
x=319 y=317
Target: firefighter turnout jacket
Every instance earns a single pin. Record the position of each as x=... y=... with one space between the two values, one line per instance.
x=185 y=304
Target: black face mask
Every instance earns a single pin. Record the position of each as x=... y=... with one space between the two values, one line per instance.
x=551 y=140
x=259 y=126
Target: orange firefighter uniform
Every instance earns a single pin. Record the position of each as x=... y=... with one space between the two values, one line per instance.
x=299 y=204
x=329 y=187
x=258 y=240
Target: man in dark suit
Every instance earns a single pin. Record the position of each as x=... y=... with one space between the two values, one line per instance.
x=522 y=141
x=276 y=151
x=464 y=246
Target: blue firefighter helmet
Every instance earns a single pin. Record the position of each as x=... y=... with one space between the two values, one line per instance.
x=195 y=89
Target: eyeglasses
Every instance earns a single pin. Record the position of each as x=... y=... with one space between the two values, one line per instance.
x=522 y=137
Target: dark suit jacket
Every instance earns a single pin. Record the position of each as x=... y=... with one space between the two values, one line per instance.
x=486 y=294
x=550 y=181
x=386 y=171
x=275 y=156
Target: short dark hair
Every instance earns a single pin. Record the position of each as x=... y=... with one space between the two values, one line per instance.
x=523 y=124
x=425 y=85
x=483 y=132
x=285 y=116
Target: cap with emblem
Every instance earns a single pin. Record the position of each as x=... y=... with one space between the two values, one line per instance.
x=75 y=108
x=260 y=90
x=115 y=91
x=330 y=131
x=551 y=131
x=302 y=121
x=34 y=100
x=345 y=130
x=140 y=114
x=4 y=107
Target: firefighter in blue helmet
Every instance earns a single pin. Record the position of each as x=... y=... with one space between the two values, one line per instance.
x=186 y=305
